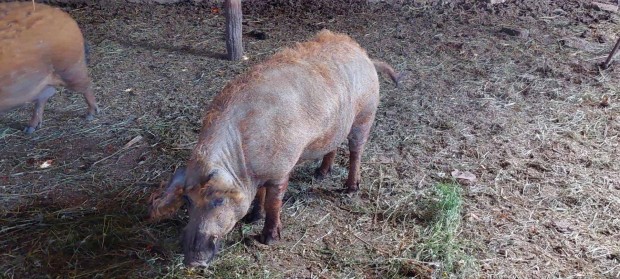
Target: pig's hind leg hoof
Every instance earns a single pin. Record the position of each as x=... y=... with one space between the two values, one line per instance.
x=91 y=114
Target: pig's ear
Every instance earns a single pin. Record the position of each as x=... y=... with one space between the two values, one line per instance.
x=166 y=201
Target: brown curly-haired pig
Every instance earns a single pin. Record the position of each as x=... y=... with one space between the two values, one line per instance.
x=297 y=106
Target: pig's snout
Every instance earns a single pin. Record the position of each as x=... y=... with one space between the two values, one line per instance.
x=196 y=263
x=199 y=250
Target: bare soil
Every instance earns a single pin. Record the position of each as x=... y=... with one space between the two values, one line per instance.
x=527 y=110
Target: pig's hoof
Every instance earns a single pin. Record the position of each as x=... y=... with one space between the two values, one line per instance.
x=91 y=114
x=320 y=174
x=352 y=187
x=270 y=237
x=29 y=130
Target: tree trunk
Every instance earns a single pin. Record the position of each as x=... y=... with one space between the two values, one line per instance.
x=234 y=46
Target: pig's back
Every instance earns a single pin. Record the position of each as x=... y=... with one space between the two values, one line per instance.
x=34 y=44
x=303 y=109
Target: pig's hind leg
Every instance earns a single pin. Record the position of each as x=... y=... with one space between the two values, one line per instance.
x=36 y=121
x=357 y=139
x=76 y=79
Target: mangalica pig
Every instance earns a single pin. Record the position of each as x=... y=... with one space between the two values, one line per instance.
x=41 y=47
x=299 y=105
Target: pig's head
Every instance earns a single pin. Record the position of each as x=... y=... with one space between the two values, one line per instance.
x=215 y=205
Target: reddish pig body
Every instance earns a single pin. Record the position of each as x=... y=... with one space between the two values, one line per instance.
x=299 y=105
x=40 y=48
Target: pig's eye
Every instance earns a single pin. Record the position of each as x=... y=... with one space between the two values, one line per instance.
x=187 y=200
x=217 y=202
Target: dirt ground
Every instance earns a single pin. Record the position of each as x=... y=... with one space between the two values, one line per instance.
x=530 y=114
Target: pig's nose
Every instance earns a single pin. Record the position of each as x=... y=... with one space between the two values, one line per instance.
x=196 y=263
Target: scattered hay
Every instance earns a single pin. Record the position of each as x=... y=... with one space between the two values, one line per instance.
x=523 y=114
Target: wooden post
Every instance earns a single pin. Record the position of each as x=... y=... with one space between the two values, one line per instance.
x=611 y=55
x=234 y=45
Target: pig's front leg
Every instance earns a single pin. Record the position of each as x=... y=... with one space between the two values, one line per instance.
x=274 y=193
x=258 y=207
x=326 y=166
x=39 y=105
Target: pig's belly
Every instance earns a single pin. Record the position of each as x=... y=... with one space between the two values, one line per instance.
x=23 y=85
x=10 y=100
x=319 y=148
x=18 y=94
x=309 y=155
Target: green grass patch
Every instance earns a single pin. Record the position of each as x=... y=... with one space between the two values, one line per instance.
x=440 y=244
